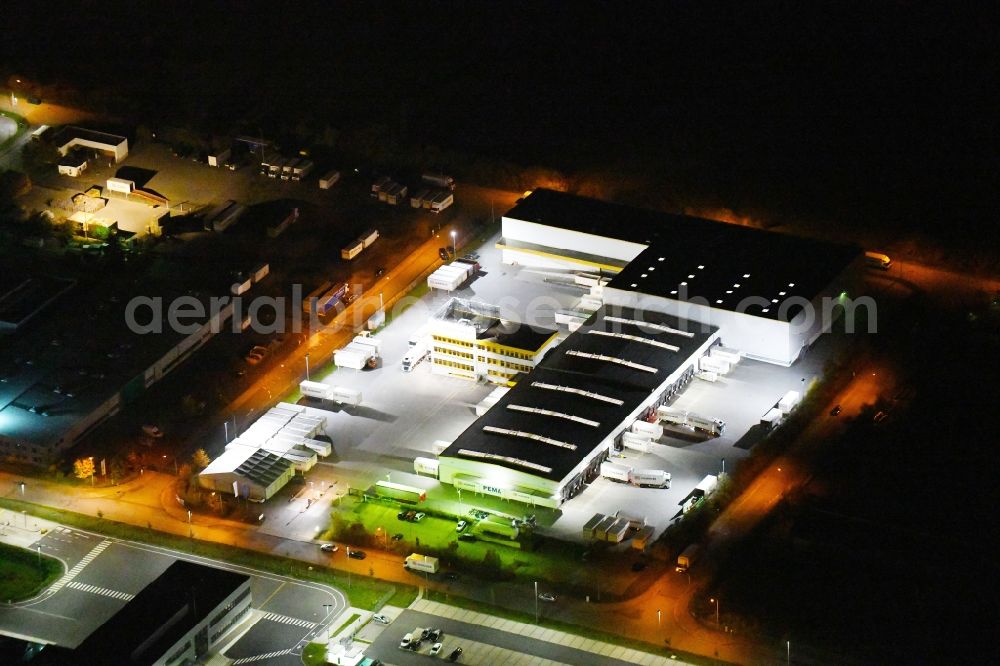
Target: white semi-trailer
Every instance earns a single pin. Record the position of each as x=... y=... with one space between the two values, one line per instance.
x=450 y=276
x=731 y=356
x=302 y=169
x=339 y=394
x=672 y=415
x=352 y=249
x=417 y=200
x=616 y=472
x=772 y=418
x=636 y=441
x=442 y=201
x=688 y=557
x=328 y=181
x=788 y=402
x=653 y=430
x=425 y=466
x=369 y=237
x=714 y=364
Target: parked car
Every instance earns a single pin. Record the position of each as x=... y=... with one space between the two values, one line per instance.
x=379 y=272
x=435 y=635
x=329 y=548
x=545 y=596
x=401 y=515
x=461 y=526
x=455 y=654
x=435 y=649
x=420 y=515
x=835 y=411
x=443 y=253
x=356 y=554
x=881 y=416
x=410 y=516
x=152 y=431
x=381 y=619
x=397 y=537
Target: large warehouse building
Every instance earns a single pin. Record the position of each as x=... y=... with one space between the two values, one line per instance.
x=754 y=285
x=548 y=435
x=678 y=286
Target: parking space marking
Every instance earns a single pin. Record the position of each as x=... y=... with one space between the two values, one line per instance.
x=75 y=571
x=93 y=589
x=284 y=619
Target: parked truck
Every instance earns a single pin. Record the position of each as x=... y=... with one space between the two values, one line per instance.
x=369 y=237
x=219 y=158
x=414 y=355
x=422 y=563
x=450 y=276
x=713 y=427
x=653 y=430
x=417 y=200
x=398 y=491
x=651 y=478
x=302 y=169
x=288 y=167
x=688 y=557
x=636 y=441
x=436 y=179
x=328 y=181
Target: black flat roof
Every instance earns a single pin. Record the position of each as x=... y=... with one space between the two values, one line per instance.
x=694 y=259
x=183 y=595
x=518 y=336
x=610 y=364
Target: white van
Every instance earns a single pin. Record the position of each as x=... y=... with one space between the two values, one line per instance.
x=878 y=260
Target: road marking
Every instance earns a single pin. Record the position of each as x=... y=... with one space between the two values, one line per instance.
x=259 y=657
x=284 y=619
x=75 y=571
x=93 y=589
x=270 y=596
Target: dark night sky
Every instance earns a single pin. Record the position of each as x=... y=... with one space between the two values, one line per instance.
x=883 y=105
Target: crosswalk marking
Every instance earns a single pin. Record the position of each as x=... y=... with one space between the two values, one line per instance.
x=74 y=572
x=284 y=619
x=259 y=657
x=93 y=589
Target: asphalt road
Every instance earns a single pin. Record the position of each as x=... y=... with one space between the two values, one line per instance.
x=113 y=571
x=386 y=646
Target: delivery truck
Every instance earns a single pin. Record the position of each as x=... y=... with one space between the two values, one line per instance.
x=219 y=158
x=414 y=355
x=329 y=180
x=422 y=563
x=650 y=478
x=688 y=557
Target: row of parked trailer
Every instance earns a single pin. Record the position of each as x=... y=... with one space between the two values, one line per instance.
x=649 y=478
x=363 y=351
x=436 y=198
x=359 y=245
x=223 y=216
x=782 y=409
x=617 y=528
x=451 y=276
x=325 y=298
x=718 y=362
x=285 y=168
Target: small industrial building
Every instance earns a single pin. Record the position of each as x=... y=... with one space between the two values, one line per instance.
x=262 y=459
x=179 y=618
x=72 y=165
x=546 y=437
x=470 y=340
x=111 y=145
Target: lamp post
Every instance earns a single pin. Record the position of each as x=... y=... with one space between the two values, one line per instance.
x=453 y=249
x=716 y=602
x=226 y=426
x=659 y=613
x=307 y=366
x=536 y=602
x=788 y=652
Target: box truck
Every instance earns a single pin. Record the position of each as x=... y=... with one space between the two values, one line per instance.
x=352 y=249
x=442 y=201
x=219 y=158
x=423 y=563
x=329 y=180
x=653 y=478
x=688 y=557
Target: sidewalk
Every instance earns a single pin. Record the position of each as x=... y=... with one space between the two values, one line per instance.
x=539 y=633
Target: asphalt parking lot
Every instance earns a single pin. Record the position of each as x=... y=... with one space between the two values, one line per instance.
x=481 y=645
x=104 y=575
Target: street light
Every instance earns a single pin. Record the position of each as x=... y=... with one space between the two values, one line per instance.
x=788 y=652
x=536 y=602
x=307 y=366
x=453 y=251
x=658 y=614
x=716 y=602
